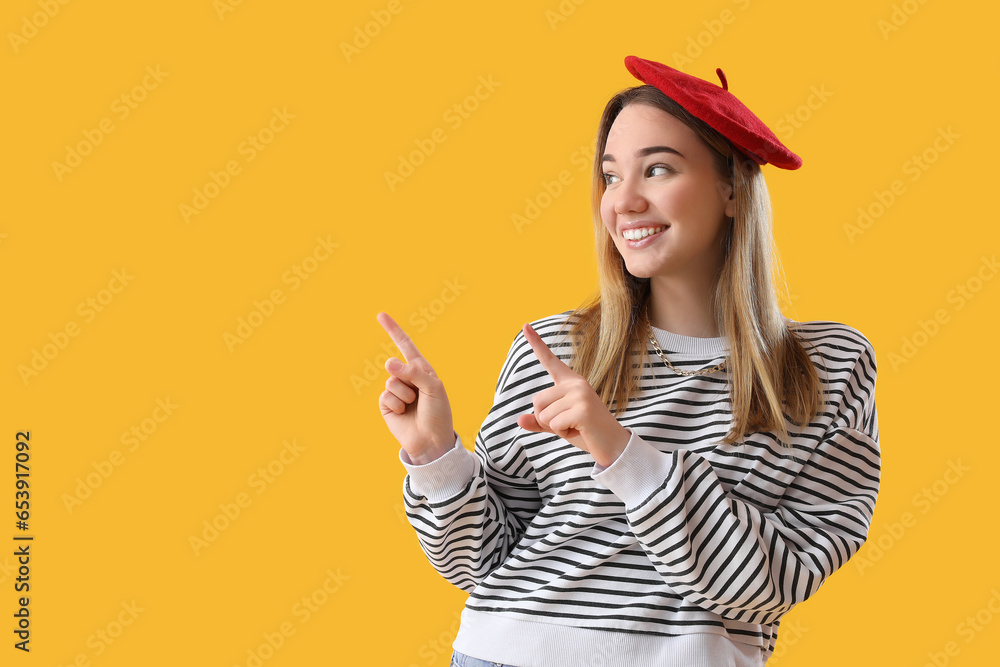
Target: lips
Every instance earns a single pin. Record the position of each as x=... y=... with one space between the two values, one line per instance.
x=646 y=240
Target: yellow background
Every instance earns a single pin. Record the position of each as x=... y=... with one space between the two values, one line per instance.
x=440 y=253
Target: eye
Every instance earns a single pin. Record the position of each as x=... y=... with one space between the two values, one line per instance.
x=607 y=178
x=664 y=167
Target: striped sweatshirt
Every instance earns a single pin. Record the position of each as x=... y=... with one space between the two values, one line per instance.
x=684 y=551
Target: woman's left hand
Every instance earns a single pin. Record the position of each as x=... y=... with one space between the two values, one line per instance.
x=572 y=409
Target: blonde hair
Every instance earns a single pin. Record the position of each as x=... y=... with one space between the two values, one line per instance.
x=767 y=363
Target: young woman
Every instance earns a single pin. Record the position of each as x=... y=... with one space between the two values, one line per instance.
x=670 y=468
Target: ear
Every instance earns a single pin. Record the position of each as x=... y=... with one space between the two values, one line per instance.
x=728 y=194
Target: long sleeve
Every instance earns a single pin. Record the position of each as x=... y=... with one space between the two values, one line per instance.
x=743 y=560
x=469 y=509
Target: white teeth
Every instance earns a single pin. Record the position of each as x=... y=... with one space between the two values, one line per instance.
x=641 y=233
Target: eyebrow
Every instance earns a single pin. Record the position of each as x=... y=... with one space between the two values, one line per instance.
x=643 y=152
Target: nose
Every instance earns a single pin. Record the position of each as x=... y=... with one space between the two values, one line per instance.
x=629 y=197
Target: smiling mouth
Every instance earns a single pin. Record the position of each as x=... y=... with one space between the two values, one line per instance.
x=647 y=240
x=642 y=232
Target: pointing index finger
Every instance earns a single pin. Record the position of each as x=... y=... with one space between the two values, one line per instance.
x=555 y=366
x=399 y=337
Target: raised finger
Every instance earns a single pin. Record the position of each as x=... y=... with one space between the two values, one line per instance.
x=399 y=337
x=555 y=366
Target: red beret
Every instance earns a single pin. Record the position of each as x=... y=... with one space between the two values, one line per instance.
x=717 y=107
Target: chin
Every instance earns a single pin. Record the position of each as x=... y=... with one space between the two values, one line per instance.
x=641 y=271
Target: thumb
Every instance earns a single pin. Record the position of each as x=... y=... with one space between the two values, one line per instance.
x=529 y=423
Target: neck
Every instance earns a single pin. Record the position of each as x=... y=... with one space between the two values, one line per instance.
x=684 y=307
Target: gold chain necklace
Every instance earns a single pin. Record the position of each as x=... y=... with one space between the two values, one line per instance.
x=704 y=371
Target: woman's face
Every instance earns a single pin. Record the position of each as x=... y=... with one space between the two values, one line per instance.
x=660 y=175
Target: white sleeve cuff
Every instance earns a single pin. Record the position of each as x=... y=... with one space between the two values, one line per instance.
x=444 y=477
x=638 y=472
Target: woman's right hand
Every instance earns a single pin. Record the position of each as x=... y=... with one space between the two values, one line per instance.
x=414 y=404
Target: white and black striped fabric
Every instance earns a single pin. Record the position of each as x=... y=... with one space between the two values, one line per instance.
x=682 y=539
